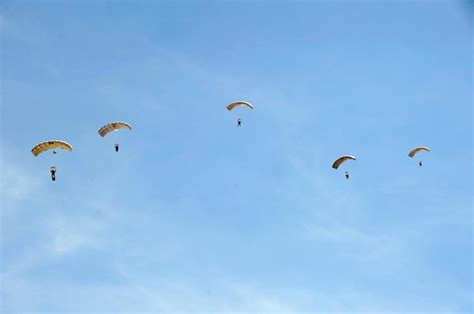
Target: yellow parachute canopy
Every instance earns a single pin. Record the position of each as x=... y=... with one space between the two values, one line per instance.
x=42 y=147
x=238 y=104
x=114 y=126
x=342 y=159
x=417 y=150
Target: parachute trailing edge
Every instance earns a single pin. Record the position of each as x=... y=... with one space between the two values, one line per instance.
x=114 y=126
x=341 y=160
x=42 y=147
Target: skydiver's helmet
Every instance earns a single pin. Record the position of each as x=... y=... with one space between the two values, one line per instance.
x=53 y=169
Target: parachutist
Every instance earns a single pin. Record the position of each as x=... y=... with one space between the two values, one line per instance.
x=55 y=145
x=114 y=126
x=53 y=173
x=340 y=161
x=239 y=104
x=416 y=150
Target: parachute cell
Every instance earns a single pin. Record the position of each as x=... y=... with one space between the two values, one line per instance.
x=239 y=104
x=341 y=160
x=42 y=147
x=114 y=126
x=417 y=150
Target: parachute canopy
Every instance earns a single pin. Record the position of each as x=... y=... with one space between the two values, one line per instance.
x=42 y=147
x=341 y=160
x=417 y=150
x=114 y=126
x=238 y=104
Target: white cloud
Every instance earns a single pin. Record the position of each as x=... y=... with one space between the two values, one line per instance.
x=375 y=246
x=16 y=184
x=178 y=296
x=71 y=235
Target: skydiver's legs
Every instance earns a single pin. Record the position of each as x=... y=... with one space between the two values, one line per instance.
x=116 y=147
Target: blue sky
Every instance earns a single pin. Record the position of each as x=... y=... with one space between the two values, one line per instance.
x=195 y=215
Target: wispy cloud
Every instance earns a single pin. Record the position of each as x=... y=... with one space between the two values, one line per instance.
x=374 y=246
x=16 y=183
x=337 y=217
x=72 y=234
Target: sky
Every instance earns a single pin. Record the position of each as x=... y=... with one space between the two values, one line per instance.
x=196 y=215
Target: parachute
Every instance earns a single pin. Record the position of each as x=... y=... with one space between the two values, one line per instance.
x=42 y=147
x=114 y=126
x=417 y=150
x=239 y=104
x=341 y=160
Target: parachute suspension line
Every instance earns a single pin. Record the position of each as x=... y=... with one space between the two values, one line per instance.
x=340 y=161
x=54 y=145
x=416 y=150
x=239 y=103
x=114 y=127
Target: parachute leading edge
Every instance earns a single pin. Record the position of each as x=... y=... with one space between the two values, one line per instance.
x=238 y=104
x=341 y=160
x=417 y=150
x=114 y=126
x=42 y=147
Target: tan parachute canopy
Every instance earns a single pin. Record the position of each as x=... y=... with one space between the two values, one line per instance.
x=42 y=147
x=417 y=150
x=114 y=126
x=238 y=104
x=342 y=159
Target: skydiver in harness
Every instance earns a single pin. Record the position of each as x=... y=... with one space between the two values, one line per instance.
x=53 y=173
x=116 y=147
x=420 y=163
x=347 y=175
x=239 y=122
